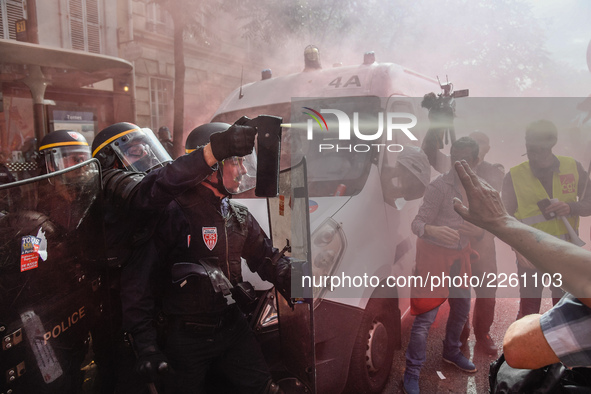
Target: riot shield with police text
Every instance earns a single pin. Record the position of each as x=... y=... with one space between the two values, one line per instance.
x=51 y=278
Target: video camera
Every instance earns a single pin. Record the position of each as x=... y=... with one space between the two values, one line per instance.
x=442 y=109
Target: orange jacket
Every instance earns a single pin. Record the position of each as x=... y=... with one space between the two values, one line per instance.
x=433 y=262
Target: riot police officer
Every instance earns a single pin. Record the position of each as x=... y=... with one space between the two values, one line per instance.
x=54 y=282
x=139 y=180
x=61 y=149
x=200 y=240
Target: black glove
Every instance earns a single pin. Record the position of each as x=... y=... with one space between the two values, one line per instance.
x=283 y=278
x=238 y=140
x=152 y=364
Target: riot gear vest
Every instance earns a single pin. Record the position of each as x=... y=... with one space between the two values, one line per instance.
x=216 y=241
x=119 y=188
x=529 y=190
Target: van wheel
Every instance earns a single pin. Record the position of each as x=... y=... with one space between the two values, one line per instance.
x=373 y=351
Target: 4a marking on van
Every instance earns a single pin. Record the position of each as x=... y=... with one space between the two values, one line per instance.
x=353 y=80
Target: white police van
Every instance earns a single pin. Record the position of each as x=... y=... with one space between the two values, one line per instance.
x=337 y=208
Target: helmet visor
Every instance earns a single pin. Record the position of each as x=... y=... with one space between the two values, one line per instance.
x=239 y=173
x=140 y=150
x=63 y=157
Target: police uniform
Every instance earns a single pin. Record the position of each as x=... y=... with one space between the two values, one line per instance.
x=52 y=298
x=200 y=241
x=133 y=202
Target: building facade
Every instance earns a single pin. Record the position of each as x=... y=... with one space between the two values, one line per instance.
x=214 y=67
x=85 y=64
x=59 y=69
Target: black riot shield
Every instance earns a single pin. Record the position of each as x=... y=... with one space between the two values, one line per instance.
x=51 y=261
x=289 y=218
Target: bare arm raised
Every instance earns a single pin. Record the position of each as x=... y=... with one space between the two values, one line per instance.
x=525 y=344
x=547 y=253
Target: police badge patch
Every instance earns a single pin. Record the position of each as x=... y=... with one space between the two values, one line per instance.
x=210 y=236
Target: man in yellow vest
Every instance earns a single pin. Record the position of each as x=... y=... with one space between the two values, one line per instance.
x=539 y=192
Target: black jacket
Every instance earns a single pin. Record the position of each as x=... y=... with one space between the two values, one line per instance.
x=133 y=204
x=191 y=229
x=133 y=201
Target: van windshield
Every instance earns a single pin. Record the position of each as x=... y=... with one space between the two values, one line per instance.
x=335 y=167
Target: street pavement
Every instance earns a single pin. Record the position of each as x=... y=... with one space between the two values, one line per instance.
x=454 y=381
x=457 y=381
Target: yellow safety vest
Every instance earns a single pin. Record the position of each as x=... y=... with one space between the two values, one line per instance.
x=529 y=190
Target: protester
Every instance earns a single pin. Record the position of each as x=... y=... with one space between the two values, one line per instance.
x=562 y=333
x=556 y=181
x=442 y=248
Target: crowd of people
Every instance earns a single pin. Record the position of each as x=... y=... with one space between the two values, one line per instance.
x=545 y=193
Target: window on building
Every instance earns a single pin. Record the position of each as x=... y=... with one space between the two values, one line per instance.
x=85 y=25
x=10 y=12
x=158 y=20
x=161 y=96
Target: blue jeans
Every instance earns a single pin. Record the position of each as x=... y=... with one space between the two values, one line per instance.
x=459 y=308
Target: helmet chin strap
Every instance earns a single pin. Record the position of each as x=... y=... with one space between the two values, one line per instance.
x=219 y=184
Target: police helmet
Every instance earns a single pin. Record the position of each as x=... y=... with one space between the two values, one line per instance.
x=235 y=174
x=64 y=148
x=129 y=146
x=199 y=136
